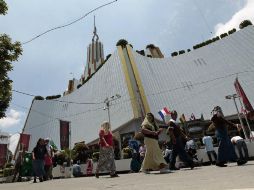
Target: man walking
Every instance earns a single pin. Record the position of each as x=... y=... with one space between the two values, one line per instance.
x=177 y=137
x=241 y=146
x=208 y=142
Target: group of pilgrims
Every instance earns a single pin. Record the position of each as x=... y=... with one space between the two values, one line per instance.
x=153 y=158
x=150 y=152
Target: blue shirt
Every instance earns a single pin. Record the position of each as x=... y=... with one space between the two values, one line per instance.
x=208 y=142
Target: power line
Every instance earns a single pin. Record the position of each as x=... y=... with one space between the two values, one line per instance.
x=129 y=99
x=64 y=117
x=41 y=113
x=54 y=118
x=199 y=83
x=24 y=93
x=203 y=16
x=77 y=102
x=62 y=26
x=70 y=102
x=151 y=94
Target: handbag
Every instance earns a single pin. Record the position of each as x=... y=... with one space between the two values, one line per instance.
x=139 y=136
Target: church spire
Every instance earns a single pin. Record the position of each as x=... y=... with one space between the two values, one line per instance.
x=95 y=31
x=95 y=54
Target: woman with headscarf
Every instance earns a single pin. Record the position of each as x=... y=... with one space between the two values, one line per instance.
x=226 y=150
x=153 y=157
x=106 y=158
x=38 y=155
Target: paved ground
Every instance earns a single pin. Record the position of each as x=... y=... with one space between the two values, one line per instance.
x=207 y=177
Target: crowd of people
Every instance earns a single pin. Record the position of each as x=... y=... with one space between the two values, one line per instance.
x=185 y=148
x=148 y=155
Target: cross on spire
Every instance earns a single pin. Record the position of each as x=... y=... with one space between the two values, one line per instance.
x=95 y=31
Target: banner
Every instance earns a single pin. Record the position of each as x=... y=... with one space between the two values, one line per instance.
x=24 y=141
x=3 y=154
x=64 y=134
x=241 y=93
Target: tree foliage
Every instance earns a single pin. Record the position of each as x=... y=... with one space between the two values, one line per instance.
x=3 y=7
x=9 y=52
x=122 y=42
x=152 y=46
x=38 y=98
x=245 y=23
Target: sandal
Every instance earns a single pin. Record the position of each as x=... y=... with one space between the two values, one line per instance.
x=114 y=175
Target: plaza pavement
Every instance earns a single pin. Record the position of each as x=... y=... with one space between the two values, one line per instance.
x=206 y=177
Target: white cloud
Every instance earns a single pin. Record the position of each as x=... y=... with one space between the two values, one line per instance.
x=246 y=13
x=13 y=118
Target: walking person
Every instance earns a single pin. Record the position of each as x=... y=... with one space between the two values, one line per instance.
x=179 y=140
x=166 y=153
x=106 y=157
x=208 y=142
x=48 y=161
x=153 y=156
x=241 y=146
x=226 y=150
x=135 y=164
x=38 y=155
x=142 y=151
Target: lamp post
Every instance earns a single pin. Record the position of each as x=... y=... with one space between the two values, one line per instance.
x=107 y=102
x=246 y=119
x=234 y=96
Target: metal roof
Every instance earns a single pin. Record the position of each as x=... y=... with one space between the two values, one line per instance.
x=197 y=81
x=194 y=82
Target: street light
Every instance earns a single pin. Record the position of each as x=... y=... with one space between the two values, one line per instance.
x=107 y=104
x=234 y=96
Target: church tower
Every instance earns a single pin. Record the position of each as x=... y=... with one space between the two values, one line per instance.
x=95 y=54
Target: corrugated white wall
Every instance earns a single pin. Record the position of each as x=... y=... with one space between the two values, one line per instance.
x=43 y=119
x=194 y=82
x=197 y=81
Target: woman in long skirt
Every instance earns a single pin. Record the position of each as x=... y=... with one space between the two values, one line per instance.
x=226 y=150
x=106 y=158
x=153 y=157
x=38 y=155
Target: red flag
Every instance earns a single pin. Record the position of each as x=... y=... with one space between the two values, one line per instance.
x=241 y=93
x=64 y=134
x=3 y=154
x=24 y=141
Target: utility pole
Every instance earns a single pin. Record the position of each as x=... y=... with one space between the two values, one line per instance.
x=107 y=102
x=246 y=119
x=234 y=96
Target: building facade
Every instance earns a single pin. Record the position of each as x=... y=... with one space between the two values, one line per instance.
x=191 y=83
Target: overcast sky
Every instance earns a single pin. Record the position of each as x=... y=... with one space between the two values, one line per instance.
x=45 y=66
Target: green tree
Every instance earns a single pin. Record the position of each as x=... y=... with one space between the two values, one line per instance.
x=9 y=52
x=3 y=7
x=245 y=23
